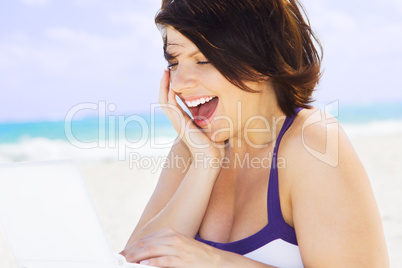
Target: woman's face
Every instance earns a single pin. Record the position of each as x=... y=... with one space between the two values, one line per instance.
x=217 y=106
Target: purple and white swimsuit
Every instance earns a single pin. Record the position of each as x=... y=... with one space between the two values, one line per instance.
x=276 y=243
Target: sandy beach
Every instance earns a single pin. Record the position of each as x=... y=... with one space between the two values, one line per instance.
x=120 y=192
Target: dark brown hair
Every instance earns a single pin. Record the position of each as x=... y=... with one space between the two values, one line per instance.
x=245 y=39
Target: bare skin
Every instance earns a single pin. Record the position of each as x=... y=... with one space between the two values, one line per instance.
x=331 y=206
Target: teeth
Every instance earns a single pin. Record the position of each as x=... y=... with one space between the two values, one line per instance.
x=195 y=103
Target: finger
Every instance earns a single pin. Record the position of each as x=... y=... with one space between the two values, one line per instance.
x=180 y=119
x=167 y=97
x=159 y=237
x=173 y=101
x=172 y=97
x=164 y=87
x=153 y=250
x=163 y=261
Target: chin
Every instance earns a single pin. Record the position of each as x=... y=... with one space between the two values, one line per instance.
x=218 y=136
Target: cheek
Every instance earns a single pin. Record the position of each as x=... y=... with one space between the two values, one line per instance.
x=230 y=110
x=212 y=79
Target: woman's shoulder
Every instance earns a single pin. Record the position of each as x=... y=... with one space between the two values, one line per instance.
x=321 y=161
x=316 y=143
x=329 y=190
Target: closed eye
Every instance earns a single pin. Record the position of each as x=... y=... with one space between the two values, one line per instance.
x=172 y=65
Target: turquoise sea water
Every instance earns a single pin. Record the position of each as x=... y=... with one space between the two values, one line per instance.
x=361 y=114
x=91 y=129
x=53 y=139
x=88 y=129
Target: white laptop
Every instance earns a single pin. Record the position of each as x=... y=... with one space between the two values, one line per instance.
x=49 y=220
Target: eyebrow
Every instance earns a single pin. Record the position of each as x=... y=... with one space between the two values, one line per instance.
x=170 y=56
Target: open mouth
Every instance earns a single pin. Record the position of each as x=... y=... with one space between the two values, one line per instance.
x=203 y=109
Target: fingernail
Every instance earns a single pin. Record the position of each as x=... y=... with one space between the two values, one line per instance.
x=145 y=262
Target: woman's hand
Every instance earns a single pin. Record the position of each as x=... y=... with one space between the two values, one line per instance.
x=168 y=248
x=194 y=138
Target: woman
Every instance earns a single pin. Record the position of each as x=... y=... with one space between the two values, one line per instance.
x=251 y=181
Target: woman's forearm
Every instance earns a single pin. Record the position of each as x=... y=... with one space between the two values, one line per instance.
x=186 y=209
x=169 y=248
x=231 y=260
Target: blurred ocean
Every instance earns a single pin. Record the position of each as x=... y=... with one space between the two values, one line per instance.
x=121 y=137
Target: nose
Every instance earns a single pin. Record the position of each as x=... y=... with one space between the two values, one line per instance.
x=182 y=79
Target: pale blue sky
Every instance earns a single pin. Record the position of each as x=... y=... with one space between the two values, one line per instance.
x=57 y=54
